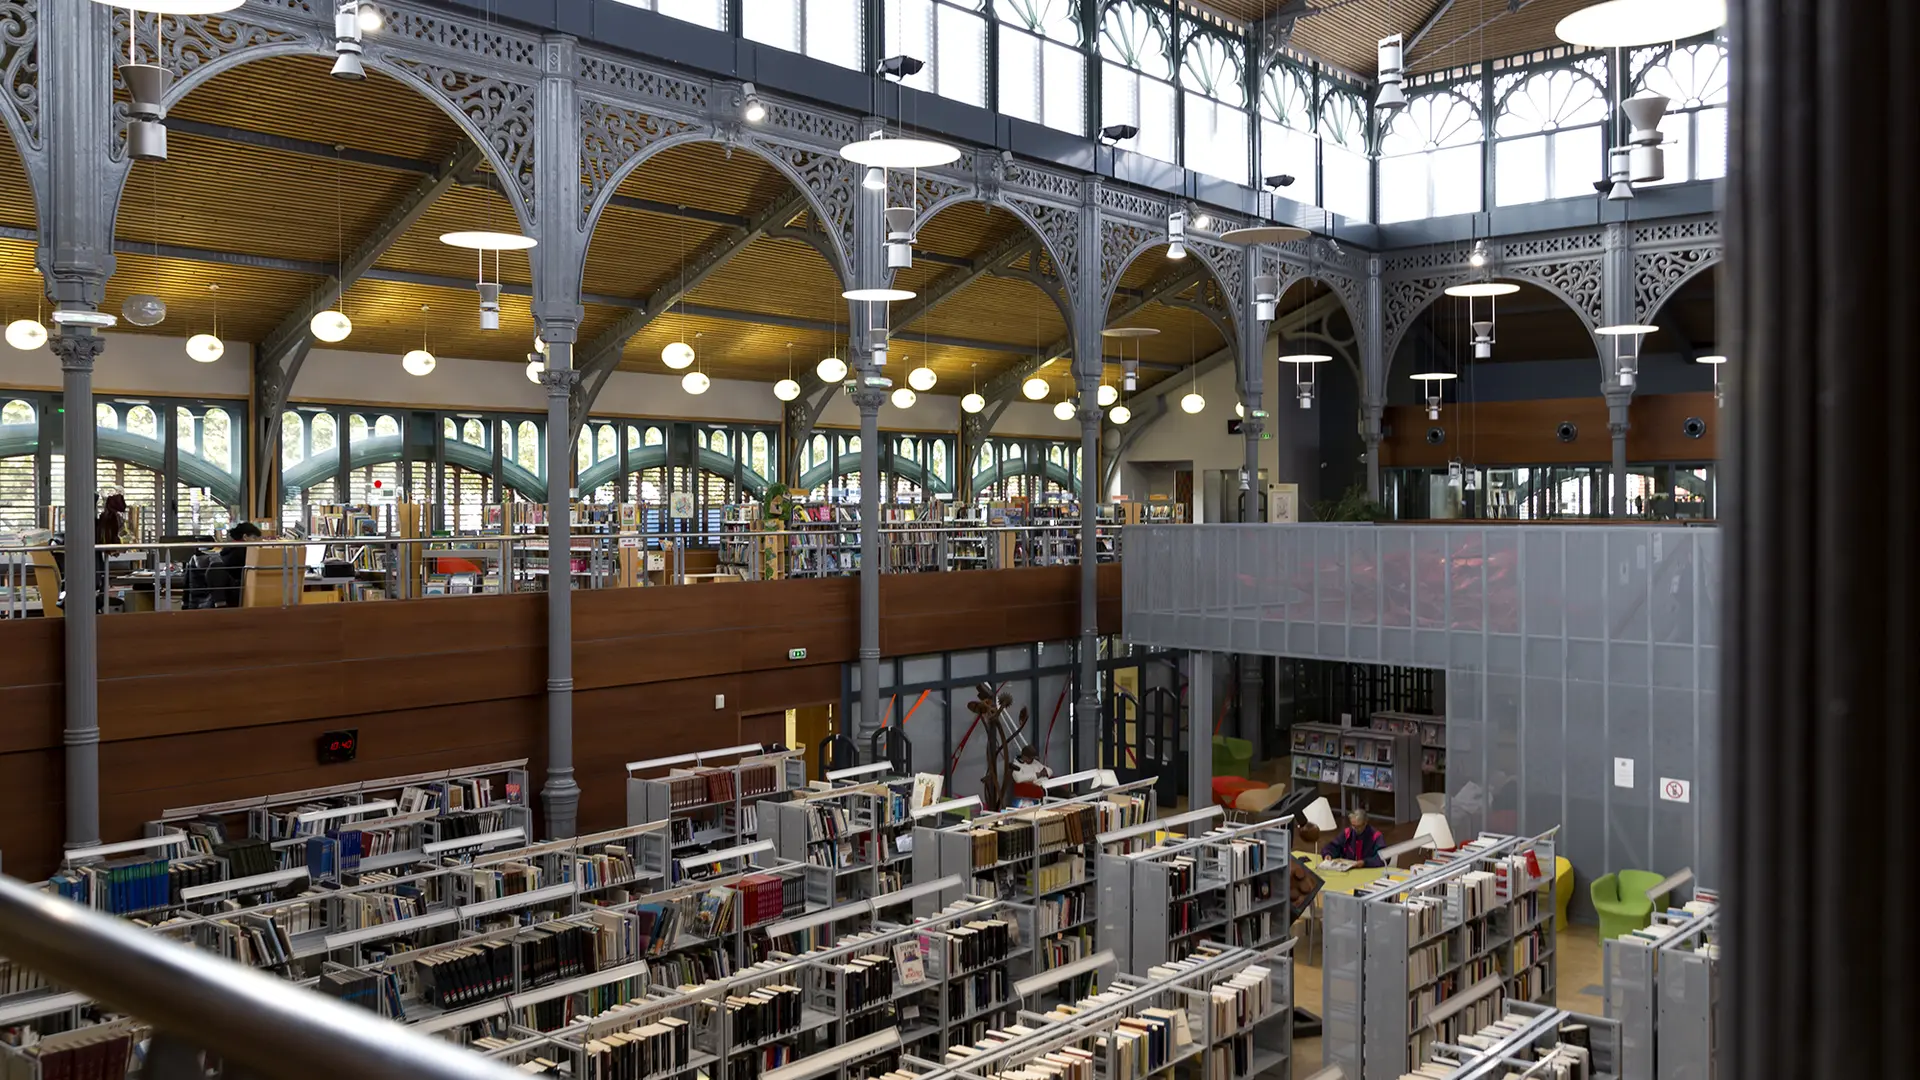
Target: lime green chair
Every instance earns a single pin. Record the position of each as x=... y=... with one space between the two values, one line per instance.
x=1621 y=900
x=1232 y=757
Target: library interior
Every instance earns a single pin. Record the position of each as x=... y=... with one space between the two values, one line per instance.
x=1434 y=465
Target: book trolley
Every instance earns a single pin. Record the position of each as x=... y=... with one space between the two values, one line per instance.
x=1424 y=955
x=1663 y=987
x=1528 y=1041
x=1377 y=771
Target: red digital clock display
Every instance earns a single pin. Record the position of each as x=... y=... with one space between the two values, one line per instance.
x=336 y=746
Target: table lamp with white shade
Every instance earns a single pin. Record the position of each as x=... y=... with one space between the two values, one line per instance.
x=1319 y=814
x=1436 y=827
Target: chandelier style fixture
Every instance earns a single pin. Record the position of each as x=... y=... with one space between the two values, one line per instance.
x=1719 y=392
x=1129 y=369
x=1304 y=382
x=1482 y=328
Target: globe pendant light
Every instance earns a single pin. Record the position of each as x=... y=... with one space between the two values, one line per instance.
x=831 y=370
x=27 y=334
x=1193 y=402
x=903 y=398
x=922 y=378
x=678 y=355
x=206 y=348
x=1063 y=409
x=1106 y=395
x=973 y=402
x=330 y=326
x=695 y=382
x=1120 y=414
x=536 y=367
x=142 y=309
x=420 y=362
x=786 y=389
x=1035 y=388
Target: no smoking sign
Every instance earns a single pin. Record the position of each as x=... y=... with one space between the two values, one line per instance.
x=1675 y=790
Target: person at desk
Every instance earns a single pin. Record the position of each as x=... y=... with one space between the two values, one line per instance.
x=229 y=570
x=1359 y=842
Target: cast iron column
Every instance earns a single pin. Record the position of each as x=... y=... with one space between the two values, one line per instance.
x=867 y=335
x=1617 y=306
x=1089 y=358
x=1253 y=344
x=1374 y=366
x=77 y=348
x=78 y=196
x=1821 y=325
x=1617 y=403
x=556 y=308
x=1199 y=732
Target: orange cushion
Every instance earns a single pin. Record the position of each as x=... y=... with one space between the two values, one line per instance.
x=1228 y=788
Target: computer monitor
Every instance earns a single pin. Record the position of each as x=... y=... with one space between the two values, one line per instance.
x=316 y=556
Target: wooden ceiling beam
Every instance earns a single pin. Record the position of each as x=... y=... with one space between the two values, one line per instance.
x=1439 y=11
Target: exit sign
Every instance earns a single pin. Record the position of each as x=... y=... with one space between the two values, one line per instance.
x=338 y=746
x=796 y=654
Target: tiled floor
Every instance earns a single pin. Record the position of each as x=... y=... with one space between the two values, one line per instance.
x=1579 y=970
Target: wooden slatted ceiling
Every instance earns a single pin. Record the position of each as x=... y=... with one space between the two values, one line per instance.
x=1346 y=33
x=295 y=96
x=1473 y=30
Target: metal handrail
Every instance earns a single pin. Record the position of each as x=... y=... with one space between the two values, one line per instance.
x=272 y=1028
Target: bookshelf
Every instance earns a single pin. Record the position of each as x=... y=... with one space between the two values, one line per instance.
x=1373 y=770
x=1662 y=984
x=1227 y=886
x=844 y=838
x=711 y=805
x=1432 y=733
x=826 y=541
x=1426 y=954
x=739 y=545
x=1522 y=1039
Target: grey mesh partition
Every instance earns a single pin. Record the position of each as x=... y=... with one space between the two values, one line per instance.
x=1565 y=648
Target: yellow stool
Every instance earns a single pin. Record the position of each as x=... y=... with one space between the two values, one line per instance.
x=1562 y=892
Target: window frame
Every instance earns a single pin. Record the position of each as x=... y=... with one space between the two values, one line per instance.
x=1510 y=84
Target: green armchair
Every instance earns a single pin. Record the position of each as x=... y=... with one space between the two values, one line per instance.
x=1621 y=900
x=1231 y=756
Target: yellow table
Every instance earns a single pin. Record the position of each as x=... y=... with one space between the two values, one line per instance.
x=1345 y=881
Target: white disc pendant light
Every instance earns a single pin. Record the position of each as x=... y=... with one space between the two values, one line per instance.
x=1120 y=414
x=1619 y=24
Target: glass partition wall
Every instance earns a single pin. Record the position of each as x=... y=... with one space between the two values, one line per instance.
x=1680 y=491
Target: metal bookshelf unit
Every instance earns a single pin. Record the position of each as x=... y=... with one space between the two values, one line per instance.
x=1663 y=986
x=1377 y=771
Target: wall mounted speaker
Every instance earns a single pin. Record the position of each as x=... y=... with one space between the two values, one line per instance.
x=1694 y=427
x=1567 y=431
x=1436 y=436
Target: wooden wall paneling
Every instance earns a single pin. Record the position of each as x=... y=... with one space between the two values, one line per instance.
x=32 y=683
x=33 y=812
x=793 y=687
x=765 y=728
x=615 y=725
x=1657 y=430
x=1110 y=583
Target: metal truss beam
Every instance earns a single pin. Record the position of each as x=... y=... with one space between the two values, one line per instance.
x=597 y=360
x=1003 y=254
x=1439 y=11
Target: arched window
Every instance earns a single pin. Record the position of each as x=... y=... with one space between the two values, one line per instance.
x=526 y=447
x=711 y=14
x=760 y=454
x=356 y=429
x=608 y=440
x=1430 y=157
x=1346 y=175
x=16 y=412
x=1549 y=133
x=386 y=426
x=906 y=448
x=105 y=417
x=1136 y=73
x=326 y=432
x=1212 y=74
x=586 y=449
x=633 y=437
x=141 y=421
x=217 y=440
x=1693 y=78
x=815 y=453
x=473 y=433
x=186 y=431
x=984 y=459
x=1043 y=73
x=950 y=37
x=293 y=433
x=718 y=443
x=449 y=430
x=830 y=30
x=656 y=437
x=1287 y=143
x=938 y=459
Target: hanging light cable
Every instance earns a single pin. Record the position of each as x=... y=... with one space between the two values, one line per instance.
x=333 y=325
x=786 y=389
x=420 y=361
x=678 y=354
x=206 y=348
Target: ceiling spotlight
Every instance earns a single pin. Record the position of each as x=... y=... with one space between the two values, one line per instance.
x=418 y=362
x=1118 y=133
x=1626 y=23
x=26 y=334
x=875 y=179
x=146 y=109
x=1193 y=402
x=330 y=326
x=1391 y=72
x=831 y=370
x=536 y=367
x=695 y=382
x=1177 y=235
x=1646 y=162
x=1431 y=382
x=972 y=403
x=1278 y=181
x=1120 y=414
x=751 y=106
x=903 y=398
x=1063 y=409
x=1482 y=339
x=369 y=17
x=1106 y=395
x=786 y=389
x=1202 y=221
x=143 y=309
x=1477 y=258
x=1266 y=299
x=677 y=355
x=922 y=378
x=899 y=237
x=349 y=21
x=1035 y=388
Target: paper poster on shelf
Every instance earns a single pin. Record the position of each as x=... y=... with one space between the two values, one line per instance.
x=681 y=505
x=1623 y=772
x=1672 y=790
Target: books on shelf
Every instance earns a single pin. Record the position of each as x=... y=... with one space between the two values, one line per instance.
x=652 y=1049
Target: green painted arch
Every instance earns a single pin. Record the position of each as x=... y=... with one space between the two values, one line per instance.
x=655 y=456
x=381 y=449
x=21 y=439
x=911 y=471
x=1025 y=466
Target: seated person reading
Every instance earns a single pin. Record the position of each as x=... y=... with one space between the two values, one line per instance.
x=229 y=569
x=1358 y=843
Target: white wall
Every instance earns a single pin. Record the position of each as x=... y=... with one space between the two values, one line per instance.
x=938 y=410
x=139 y=364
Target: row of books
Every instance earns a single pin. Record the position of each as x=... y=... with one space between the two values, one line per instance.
x=866 y=981
x=977 y=944
x=89 y=1053
x=16 y=978
x=826 y=821
x=340 y=852
x=122 y=887
x=1241 y=858
x=1056 y=913
x=763 y=1013
x=1248 y=894
x=460 y=824
x=1059 y=874
x=982 y=990
x=1119 y=811
x=256 y=941
x=650 y=1050
x=766 y=898
x=1471 y=895
x=763 y=779
x=700 y=788
x=1183 y=875
x=1431 y=730
x=364 y=909
x=1369 y=777
x=610 y=865
x=1144 y=1044
x=1243 y=999
x=501 y=879
x=714 y=915
x=361 y=988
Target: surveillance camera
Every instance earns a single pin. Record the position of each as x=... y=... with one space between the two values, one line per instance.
x=1600 y=187
x=1279 y=180
x=901 y=68
x=1114 y=133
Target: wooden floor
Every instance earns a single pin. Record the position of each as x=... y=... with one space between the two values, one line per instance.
x=1579 y=971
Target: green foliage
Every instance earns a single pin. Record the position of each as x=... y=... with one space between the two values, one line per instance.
x=1353 y=505
x=776 y=504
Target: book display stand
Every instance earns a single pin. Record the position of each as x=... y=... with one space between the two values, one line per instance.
x=1529 y=1040
x=1432 y=733
x=1376 y=771
x=1663 y=987
x=1424 y=955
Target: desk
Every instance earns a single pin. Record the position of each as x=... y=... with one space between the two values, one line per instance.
x=1345 y=881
